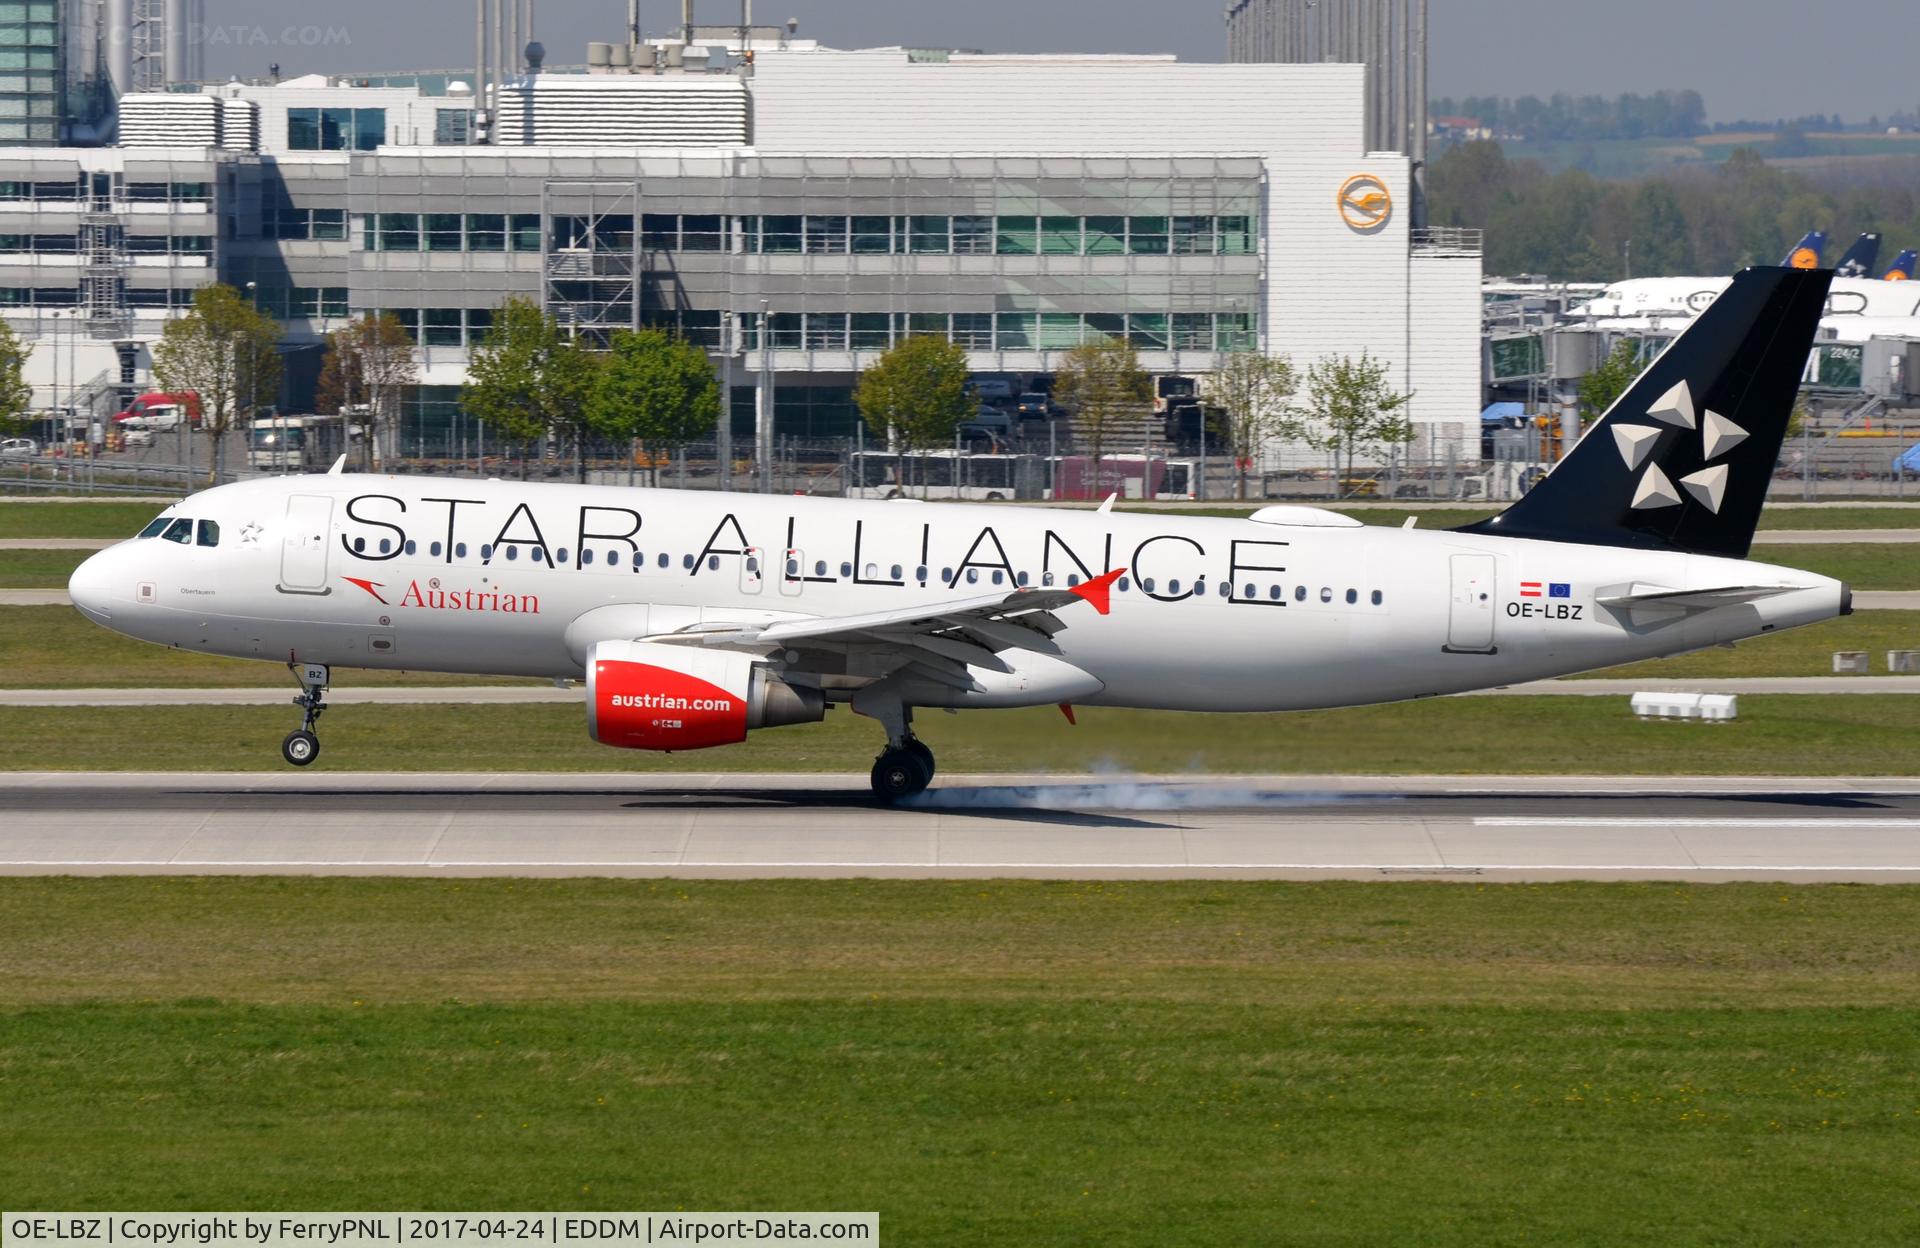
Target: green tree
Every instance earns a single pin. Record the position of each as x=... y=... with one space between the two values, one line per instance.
x=657 y=390
x=570 y=376
x=367 y=368
x=16 y=396
x=226 y=351
x=1352 y=412
x=1256 y=392
x=1607 y=382
x=1102 y=384
x=916 y=394
x=506 y=376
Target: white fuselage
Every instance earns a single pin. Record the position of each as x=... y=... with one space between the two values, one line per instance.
x=508 y=578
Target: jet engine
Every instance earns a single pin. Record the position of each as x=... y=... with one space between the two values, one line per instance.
x=644 y=695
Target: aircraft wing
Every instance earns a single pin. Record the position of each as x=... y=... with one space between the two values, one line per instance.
x=943 y=637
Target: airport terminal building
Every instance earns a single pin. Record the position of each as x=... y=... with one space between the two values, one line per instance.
x=796 y=216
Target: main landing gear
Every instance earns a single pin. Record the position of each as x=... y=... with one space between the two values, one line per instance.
x=905 y=767
x=302 y=745
x=902 y=770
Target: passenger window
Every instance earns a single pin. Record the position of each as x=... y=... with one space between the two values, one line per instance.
x=1121 y=584
x=1273 y=591
x=1326 y=594
x=793 y=567
x=1299 y=593
x=179 y=531
x=1073 y=578
x=154 y=527
x=385 y=545
x=486 y=552
x=359 y=545
x=586 y=558
x=973 y=576
x=662 y=561
x=1376 y=597
x=1146 y=583
x=686 y=561
x=513 y=552
x=894 y=575
x=920 y=573
x=209 y=533
x=459 y=550
x=410 y=546
x=1173 y=586
x=713 y=563
x=560 y=556
x=946 y=575
x=1353 y=596
x=819 y=567
x=1021 y=580
x=1046 y=579
x=434 y=550
x=996 y=576
x=753 y=565
x=846 y=569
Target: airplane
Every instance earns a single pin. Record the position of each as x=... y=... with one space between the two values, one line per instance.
x=1805 y=254
x=1901 y=270
x=1859 y=258
x=696 y=617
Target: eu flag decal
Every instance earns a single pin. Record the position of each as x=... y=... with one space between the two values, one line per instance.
x=1559 y=589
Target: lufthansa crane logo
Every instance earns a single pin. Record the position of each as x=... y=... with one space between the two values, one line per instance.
x=1364 y=203
x=1804 y=258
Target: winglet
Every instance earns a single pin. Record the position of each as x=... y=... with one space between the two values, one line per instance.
x=1106 y=504
x=1066 y=708
x=338 y=464
x=1098 y=590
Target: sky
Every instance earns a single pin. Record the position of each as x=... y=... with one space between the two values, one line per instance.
x=1748 y=58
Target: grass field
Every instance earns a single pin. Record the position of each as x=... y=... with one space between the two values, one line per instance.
x=58 y=648
x=1799 y=652
x=80 y=519
x=1791 y=734
x=982 y=1062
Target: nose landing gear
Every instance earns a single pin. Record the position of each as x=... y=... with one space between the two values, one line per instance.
x=302 y=745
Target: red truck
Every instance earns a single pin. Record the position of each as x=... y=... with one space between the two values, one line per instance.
x=155 y=410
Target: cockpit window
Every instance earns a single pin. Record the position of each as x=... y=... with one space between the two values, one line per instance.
x=180 y=531
x=153 y=529
x=209 y=533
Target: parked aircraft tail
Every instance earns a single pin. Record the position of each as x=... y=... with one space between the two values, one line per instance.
x=1901 y=270
x=1805 y=254
x=1858 y=262
x=1682 y=459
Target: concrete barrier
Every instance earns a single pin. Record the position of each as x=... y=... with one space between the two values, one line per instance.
x=1850 y=662
x=1713 y=707
x=1903 y=660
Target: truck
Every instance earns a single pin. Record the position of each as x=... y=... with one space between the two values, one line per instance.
x=299 y=443
x=158 y=410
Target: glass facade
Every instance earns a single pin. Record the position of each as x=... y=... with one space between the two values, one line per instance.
x=336 y=129
x=32 y=72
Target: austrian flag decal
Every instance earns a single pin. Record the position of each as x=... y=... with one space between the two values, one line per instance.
x=1551 y=589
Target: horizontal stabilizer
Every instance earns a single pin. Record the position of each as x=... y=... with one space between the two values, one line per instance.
x=1655 y=597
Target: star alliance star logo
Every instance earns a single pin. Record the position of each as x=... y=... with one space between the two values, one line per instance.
x=1717 y=436
x=250 y=533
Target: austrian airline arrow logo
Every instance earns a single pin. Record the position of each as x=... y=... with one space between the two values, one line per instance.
x=372 y=587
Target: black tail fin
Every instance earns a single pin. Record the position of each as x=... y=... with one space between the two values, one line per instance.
x=1681 y=460
x=1858 y=262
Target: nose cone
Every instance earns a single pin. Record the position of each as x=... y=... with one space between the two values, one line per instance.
x=90 y=587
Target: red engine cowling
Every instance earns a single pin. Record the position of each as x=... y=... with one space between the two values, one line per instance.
x=642 y=695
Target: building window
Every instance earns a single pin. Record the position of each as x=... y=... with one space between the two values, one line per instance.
x=440 y=327
x=1147 y=330
x=443 y=231
x=526 y=231
x=451 y=126
x=870 y=330
x=703 y=232
x=973 y=331
x=1236 y=236
x=1147 y=236
x=1193 y=331
x=336 y=129
x=826 y=236
x=930 y=236
x=1059 y=331
x=1106 y=236
x=1014 y=331
x=1233 y=331
x=1015 y=236
x=780 y=235
x=1193 y=236
x=399 y=231
x=486 y=231
x=1060 y=236
x=660 y=231
x=827 y=331
x=872 y=236
x=972 y=236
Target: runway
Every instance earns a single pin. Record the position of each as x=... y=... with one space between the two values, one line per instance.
x=1045 y=827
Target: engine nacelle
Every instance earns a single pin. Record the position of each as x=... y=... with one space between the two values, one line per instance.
x=643 y=695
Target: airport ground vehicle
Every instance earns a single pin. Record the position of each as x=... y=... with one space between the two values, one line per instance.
x=1037 y=405
x=298 y=443
x=157 y=410
x=992 y=391
x=19 y=448
x=946 y=474
x=697 y=617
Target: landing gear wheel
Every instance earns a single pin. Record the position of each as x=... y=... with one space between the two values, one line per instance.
x=919 y=750
x=899 y=774
x=300 y=748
